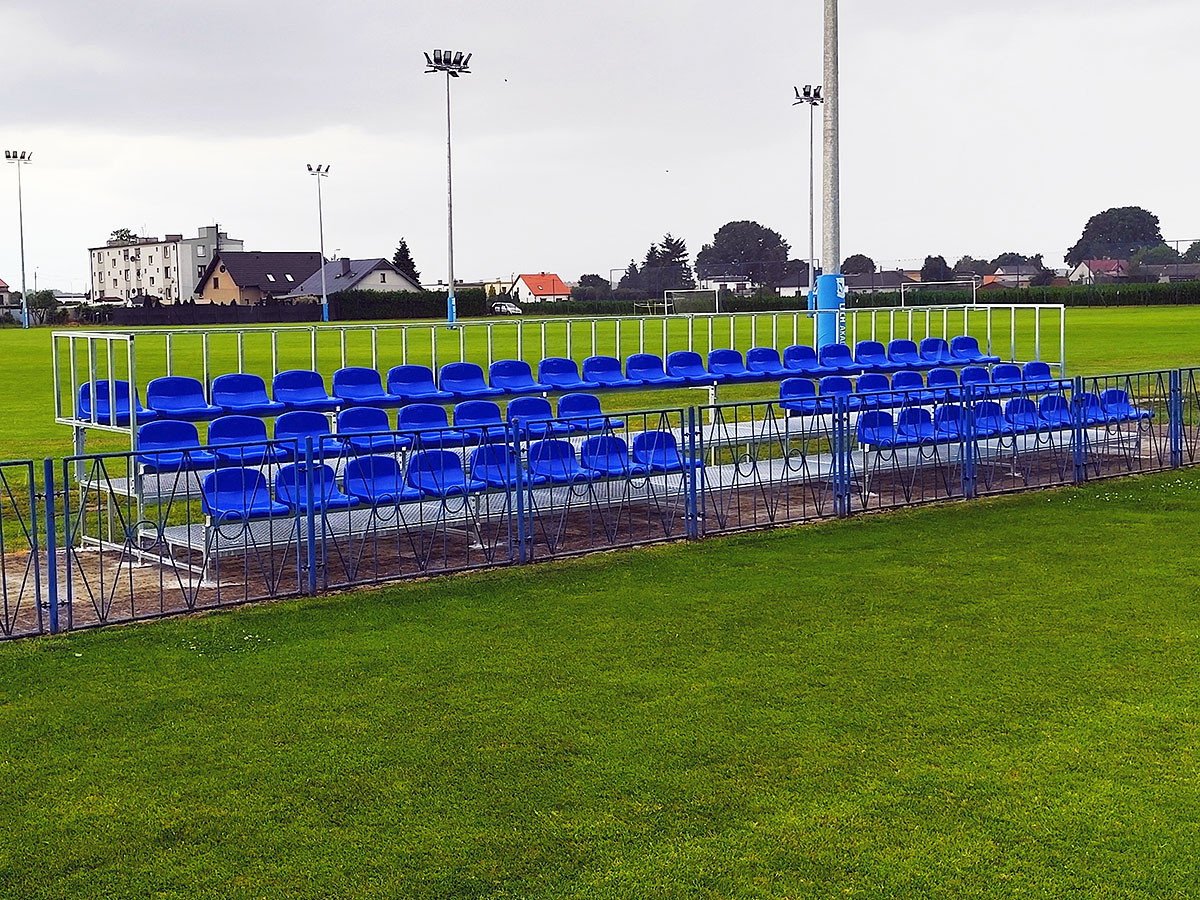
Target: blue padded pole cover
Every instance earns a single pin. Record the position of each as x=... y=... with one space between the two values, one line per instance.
x=831 y=303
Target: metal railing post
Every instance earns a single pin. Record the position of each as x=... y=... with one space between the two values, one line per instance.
x=691 y=473
x=967 y=450
x=1078 y=431
x=1175 y=416
x=51 y=547
x=514 y=430
x=310 y=510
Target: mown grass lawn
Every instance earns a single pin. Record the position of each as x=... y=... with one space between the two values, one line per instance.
x=992 y=699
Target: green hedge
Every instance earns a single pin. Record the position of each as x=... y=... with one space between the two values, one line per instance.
x=1186 y=293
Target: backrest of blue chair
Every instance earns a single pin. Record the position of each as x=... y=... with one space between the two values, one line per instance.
x=234 y=487
x=477 y=412
x=901 y=346
x=799 y=355
x=167 y=433
x=964 y=344
x=1115 y=397
x=410 y=376
x=914 y=417
x=357 y=377
x=239 y=384
x=550 y=453
x=725 y=361
x=872 y=382
x=237 y=430
x=907 y=381
x=869 y=350
x=935 y=346
x=578 y=405
x=643 y=362
x=120 y=390
x=530 y=408
x=380 y=471
x=1006 y=372
x=1054 y=403
x=494 y=456
x=461 y=374
x=291 y=482
x=422 y=415
x=834 y=353
x=832 y=385
x=685 y=360
x=606 y=447
x=1036 y=370
x=797 y=389
x=762 y=356
x=441 y=464
x=1020 y=406
x=510 y=369
x=607 y=365
x=176 y=387
x=298 y=383
x=975 y=375
x=363 y=419
x=943 y=378
x=557 y=367
x=949 y=412
x=874 y=422
x=301 y=424
x=647 y=443
x=988 y=409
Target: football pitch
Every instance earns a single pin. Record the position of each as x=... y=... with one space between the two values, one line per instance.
x=985 y=699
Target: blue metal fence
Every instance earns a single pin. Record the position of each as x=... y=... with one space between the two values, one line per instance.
x=134 y=536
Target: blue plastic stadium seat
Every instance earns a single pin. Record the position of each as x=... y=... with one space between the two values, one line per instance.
x=360 y=386
x=167 y=446
x=105 y=410
x=1022 y=414
x=249 y=433
x=729 y=364
x=498 y=467
x=605 y=371
x=418 y=416
x=1037 y=376
x=690 y=366
x=1006 y=381
x=555 y=461
x=837 y=358
x=765 y=362
x=439 y=473
x=1055 y=410
x=659 y=452
x=480 y=421
x=513 y=376
x=648 y=369
x=378 y=480
x=801 y=359
x=363 y=430
x=950 y=422
x=608 y=455
x=297 y=426
x=966 y=349
x=465 y=381
x=244 y=394
x=238 y=495
x=943 y=384
x=180 y=397
x=874 y=391
x=935 y=350
x=537 y=419
x=414 y=384
x=976 y=382
x=582 y=412
x=872 y=357
x=799 y=397
x=877 y=429
x=562 y=374
x=834 y=386
x=1117 y=406
x=302 y=389
x=905 y=352
x=1091 y=409
x=908 y=388
x=915 y=426
x=291 y=487
x=989 y=419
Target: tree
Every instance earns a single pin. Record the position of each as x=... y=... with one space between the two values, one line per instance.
x=666 y=267
x=1162 y=255
x=936 y=269
x=632 y=279
x=1011 y=258
x=858 y=264
x=1116 y=233
x=41 y=304
x=123 y=236
x=403 y=261
x=969 y=265
x=796 y=272
x=745 y=248
x=592 y=289
x=1192 y=254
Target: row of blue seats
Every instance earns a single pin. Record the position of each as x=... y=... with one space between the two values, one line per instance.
x=877 y=428
x=875 y=391
x=168 y=445
x=181 y=397
x=236 y=494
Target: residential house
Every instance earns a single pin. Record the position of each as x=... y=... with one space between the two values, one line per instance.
x=738 y=285
x=1017 y=276
x=544 y=287
x=6 y=297
x=249 y=277
x=1099 y=271
x=353 y=275
x=1173 y=273
x=146 y=266
x=885 y=280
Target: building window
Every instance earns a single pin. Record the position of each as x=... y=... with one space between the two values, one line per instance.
x=216 y=283
x=289 y=277
x=199 y=271
x=270 y=278
x=199 y=249
x=151 y=281
x=114 y=282
x=166 y=271
x=383 y=277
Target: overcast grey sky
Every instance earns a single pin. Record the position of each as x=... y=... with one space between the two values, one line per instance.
x=589 y=129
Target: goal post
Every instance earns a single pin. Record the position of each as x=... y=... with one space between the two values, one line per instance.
x=693 y=301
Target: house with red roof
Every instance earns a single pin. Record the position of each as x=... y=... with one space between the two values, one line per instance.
x=1099 y=271
x=545 y=287
x=6 y=296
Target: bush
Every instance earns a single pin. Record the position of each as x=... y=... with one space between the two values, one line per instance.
x=1186 y=293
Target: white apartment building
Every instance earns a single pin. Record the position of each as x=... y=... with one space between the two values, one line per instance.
x=169 y=269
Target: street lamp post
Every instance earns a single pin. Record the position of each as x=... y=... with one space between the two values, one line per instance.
x=21 y=158
x=319 y=172
x=831 y=232
x=812 y=99
x=453 y=63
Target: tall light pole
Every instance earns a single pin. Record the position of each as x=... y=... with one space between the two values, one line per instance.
x=453 y=63
x=321 y=171
x=812 y=99
x=21 y=158
x=831 y=231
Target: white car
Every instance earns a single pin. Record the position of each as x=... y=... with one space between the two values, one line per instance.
x=505 y=309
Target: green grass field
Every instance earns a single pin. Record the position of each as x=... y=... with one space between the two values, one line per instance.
x=985 y=699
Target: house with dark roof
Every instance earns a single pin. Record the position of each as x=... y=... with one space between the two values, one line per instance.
x=883 y=280
x=1173 y=273
x=246 y=277
x=354 y=275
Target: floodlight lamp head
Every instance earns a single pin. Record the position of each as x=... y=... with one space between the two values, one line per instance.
x=428 y=61
x=458 y=57
x=309 y=167
x=437 y=57
x=466 y=61
x=808 y=91
x=817 y=92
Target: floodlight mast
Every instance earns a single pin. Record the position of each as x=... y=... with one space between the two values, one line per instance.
x=21 y=158
x=453 y=63
x=321 y=171
x=812 y=99
x=831 y=231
